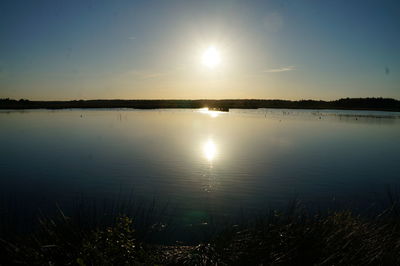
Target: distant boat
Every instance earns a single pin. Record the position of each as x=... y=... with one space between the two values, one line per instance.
x=219 y=109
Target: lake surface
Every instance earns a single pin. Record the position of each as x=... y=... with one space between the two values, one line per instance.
x=203 y=163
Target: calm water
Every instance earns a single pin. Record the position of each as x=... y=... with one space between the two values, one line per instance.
x=203 y=163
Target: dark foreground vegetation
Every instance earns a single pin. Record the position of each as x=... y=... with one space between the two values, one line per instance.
x=294 y=237
x=383 y=104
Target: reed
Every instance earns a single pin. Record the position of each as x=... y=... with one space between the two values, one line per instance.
x=291 y=237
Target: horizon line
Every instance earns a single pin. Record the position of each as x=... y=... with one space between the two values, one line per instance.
x=200 y=99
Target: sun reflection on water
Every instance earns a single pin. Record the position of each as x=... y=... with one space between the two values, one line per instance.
x=209 y=112
x=209 y=150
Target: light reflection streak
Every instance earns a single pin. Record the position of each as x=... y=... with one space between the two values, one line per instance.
x=209 y=150
x=209 y=112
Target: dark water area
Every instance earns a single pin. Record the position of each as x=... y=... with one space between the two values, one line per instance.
x=202 y=164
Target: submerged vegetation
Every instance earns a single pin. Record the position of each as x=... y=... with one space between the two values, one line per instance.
x=293 y=237
x=383 y=104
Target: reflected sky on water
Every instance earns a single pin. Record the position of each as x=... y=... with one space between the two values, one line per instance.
x=198 y=160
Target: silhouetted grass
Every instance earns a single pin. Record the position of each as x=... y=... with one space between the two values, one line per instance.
x=292 y=237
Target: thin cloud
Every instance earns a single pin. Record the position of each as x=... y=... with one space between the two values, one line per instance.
x=132 y=38
x=147 y=74
x=152 y=75
x=281 y=69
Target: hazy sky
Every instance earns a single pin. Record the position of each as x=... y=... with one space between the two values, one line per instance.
x=153 y=49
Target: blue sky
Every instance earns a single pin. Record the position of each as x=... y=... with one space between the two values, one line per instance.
x=152 y=49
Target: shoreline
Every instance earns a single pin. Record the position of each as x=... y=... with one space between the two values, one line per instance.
x=360 y=104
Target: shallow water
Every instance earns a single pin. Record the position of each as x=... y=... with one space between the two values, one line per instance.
x=203 y=163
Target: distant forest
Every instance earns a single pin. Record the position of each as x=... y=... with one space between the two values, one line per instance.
x=382 y=104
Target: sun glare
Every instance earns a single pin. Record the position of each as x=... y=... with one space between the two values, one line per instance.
x=209 y=112
x=209 y=150
x=211 y=57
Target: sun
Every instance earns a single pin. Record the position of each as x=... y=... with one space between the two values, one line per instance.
x=211 y=57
